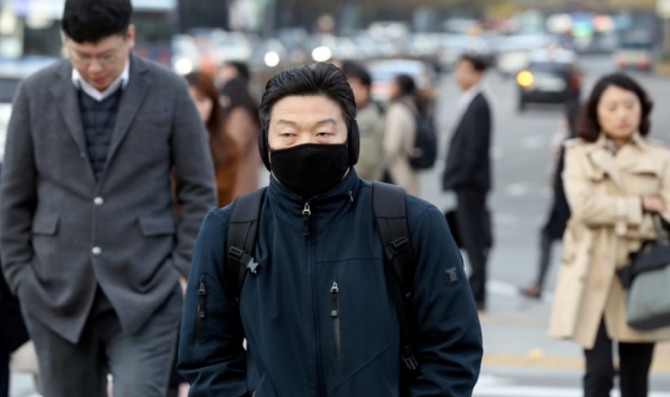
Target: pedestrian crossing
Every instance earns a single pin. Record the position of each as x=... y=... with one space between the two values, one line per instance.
x=494 y=386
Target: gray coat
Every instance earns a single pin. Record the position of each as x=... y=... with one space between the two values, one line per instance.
x=63 y=233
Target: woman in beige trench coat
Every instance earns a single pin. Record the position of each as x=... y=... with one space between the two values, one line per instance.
x=615 y=179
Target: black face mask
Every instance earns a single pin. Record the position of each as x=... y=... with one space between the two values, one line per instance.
x=310 y=169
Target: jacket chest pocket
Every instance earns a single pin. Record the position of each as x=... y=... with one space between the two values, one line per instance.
x=642 y=182
x=359 y=327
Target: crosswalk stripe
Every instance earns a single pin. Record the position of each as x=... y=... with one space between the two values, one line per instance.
x=540 y=391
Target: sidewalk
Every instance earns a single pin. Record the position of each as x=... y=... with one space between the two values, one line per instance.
x=516 y=335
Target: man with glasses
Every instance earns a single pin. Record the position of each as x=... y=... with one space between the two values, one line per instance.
x=101 y=149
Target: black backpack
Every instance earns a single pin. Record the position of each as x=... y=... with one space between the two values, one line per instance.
x=388 y=202
x=425 y=143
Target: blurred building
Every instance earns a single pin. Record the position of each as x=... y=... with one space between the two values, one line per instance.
x=203 y=14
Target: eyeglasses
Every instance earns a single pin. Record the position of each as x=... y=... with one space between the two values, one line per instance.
x=105 y=59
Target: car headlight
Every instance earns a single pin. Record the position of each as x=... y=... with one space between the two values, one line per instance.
x=271 y=59
x=321 y=54
x=183 y=66
x=525 y=78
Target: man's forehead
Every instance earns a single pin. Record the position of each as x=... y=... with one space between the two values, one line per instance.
x=306 y=106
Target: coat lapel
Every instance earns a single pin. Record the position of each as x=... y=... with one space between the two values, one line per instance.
x=131 y=101
x=634 y=158
x=65 y=95
x=605 y=162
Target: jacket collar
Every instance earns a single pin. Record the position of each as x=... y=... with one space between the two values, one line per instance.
x=290 y=207
x=632 y=157
x=65 y=94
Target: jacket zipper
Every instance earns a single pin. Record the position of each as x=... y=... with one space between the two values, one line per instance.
x=306 y=214
x=335 y=315
x=202 y=293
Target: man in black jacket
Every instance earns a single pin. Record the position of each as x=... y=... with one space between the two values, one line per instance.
x=468 y=171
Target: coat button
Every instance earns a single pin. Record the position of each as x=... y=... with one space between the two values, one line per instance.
x=96 y=251
x=98 y=201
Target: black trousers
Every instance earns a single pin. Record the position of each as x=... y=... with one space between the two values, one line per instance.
x=471 y=220
x=13 y=334
x=546 y=243
x=635 y=361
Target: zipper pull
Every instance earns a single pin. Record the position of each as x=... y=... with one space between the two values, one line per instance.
x=202 y=292
x=306 y=213
x=351 y=196
x=335 y=307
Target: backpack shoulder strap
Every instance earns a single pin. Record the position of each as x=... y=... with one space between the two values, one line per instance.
x=388 y=203
x=241 y=241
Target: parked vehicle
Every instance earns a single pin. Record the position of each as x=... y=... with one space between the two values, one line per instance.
x=551 y=76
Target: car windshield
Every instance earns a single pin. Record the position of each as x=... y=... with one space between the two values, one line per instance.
x=549 y=66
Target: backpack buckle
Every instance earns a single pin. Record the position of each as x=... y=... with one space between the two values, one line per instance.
x=400 y=244
x=240 y=256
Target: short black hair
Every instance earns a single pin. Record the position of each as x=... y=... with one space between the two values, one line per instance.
x=310 y=80
x=478 y=62
x=242 y=69
x=588 y=127
x=357 y=71
x=406 y=84
x=89 y=21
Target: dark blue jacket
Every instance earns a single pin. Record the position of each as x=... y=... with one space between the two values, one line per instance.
x=318 y=317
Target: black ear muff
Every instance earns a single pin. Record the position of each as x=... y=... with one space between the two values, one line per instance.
x=353 y=143
x=263 y=147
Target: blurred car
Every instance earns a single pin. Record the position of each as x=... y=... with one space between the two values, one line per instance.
x=456 y=45
x=268 y=54
x=185 y=54
x=8 y=87
x=635 y=56
x=384 y=71
x=551 y=76
x=514 y=52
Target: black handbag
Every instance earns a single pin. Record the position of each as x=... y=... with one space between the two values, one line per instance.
x=647 y=279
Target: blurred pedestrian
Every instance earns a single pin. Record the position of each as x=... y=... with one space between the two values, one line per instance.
x=467 y=171
x=559 y=211
x=241 y=122
x=314 y=305
x=13 y=333
x=223 y=148
x=230 y=70
x=90 y=242
x=370 y=122
x=615 y=180
x=400 y=132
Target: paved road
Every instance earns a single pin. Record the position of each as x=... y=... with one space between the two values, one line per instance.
x=521 y=360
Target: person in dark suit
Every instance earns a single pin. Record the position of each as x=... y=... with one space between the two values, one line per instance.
x=467 y=170
x=559 y=211
x=91 y=242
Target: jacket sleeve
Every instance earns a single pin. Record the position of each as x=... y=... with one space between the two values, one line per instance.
x=194 y=177
x=448 y=333
x=371 y=159
x=211 y=353
x=18 y=195
x=591 y=209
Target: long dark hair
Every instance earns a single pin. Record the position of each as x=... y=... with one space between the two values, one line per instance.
x=588 y=127
x=222 y=145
